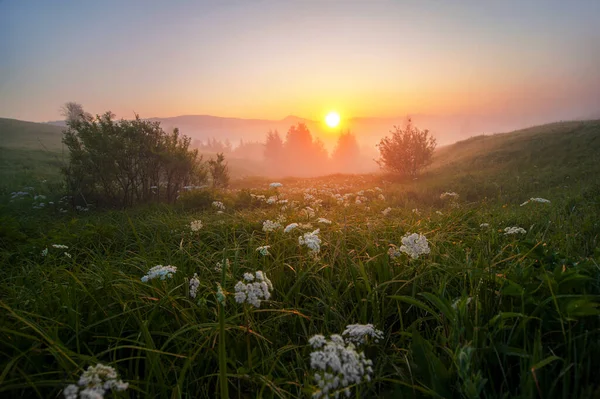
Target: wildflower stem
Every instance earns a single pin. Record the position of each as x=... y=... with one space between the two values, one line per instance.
x=222 y=354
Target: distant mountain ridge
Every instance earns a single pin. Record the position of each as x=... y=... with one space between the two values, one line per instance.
x=368 y=130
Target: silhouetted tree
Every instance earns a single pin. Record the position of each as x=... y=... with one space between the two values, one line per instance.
x=345 y=155
x=273 y=151
x=408 y=150
x=219 y=171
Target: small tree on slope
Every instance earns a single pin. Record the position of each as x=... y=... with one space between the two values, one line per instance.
x=407 y=151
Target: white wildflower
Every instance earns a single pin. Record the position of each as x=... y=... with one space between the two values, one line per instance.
x=269 y=225
x=59 y=246
x=484 y=225
x=338 y=366
x=414 y=245
x=219 y=265
x=358 y=333
x=196 y=225
x=94 y=382
x=416 y=211
x=290 y=227
x=386 y=211
x=45 y=252
x=514 y=230
x=68 y=255
x=272 y=200
x=540 y=200
x=381 y=197
x=451 y=195
x=323 y=220
x=194 y=284
x=275 y=185
x=256 y=290
x=264 y=250
x=159 y=271
x=311 y=240
x=218 y=205
x=439 y=212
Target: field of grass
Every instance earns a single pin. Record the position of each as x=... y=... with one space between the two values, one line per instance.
x=483 y=314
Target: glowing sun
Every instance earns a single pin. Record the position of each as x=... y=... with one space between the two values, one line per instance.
x=332 y=119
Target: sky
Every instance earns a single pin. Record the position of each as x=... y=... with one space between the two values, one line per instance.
x=270 y=59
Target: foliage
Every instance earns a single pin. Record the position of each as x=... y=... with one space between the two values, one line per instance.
x=407 y=151
x=122 y=163
x=219 y=172
x=346 y=153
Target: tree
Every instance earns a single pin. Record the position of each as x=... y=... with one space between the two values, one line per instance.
x=123 y=163
x=273 y=148
x=345 y=156
x=219 y=171
x=408 y=150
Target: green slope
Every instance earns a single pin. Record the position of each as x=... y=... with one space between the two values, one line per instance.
x=561 y=155
x=29 y=135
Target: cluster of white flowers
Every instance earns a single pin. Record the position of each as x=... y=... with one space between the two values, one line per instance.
x=45 y=252
x=323 y=220
x=484 y=225
x=94 y=382
x=311 y=240
x=59 y=246
x=218 y=205
x=338 y=366
x=269 y=225
x=159 y=271
x=264 y=250
x=219 y=265
x=258 y=197
x=290 y=227
x=194 y=284
x=413 y=245
x=514 y=230
x=275 y=185
x=540 y=200
x=386 y=211
x=381 y=197
x=416 y=211
x=359 y=333
x=257 y=289
x=272 y=200
x=196 y=225
x=451 y=195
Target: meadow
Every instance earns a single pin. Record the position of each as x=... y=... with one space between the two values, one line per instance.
x=499 y=300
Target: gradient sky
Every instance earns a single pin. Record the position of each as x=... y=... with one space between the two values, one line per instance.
x=269 y=59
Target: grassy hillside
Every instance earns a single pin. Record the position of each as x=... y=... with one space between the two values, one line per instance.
x=29 y=135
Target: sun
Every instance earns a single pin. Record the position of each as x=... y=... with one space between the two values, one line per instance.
x=332 y=119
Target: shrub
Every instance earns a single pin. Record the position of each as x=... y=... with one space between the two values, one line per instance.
x=408 y=150
x=219 y=171
x=122 y=163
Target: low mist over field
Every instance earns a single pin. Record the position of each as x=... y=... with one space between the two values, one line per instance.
x=296 y=199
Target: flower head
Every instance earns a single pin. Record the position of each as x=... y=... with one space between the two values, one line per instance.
x=414 y=245
x=358 y=333
x=290 y=227
x=196 y=225
x=311 y=240
x=275 y=185
x=253 y=289
x=514 y=230
x=264 y=250
x=219 y=205
x=540 y=200
x=159 y=271
x=94 y=382
x=194 y=284
x=269 y=225
x=338 y=365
